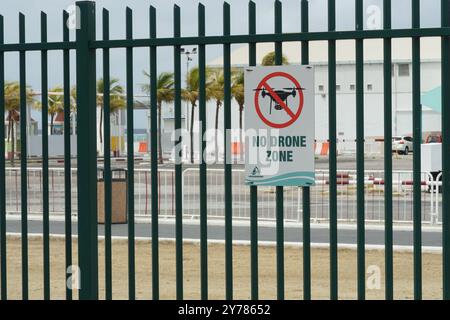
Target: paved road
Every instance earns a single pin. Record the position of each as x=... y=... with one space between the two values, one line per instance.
x=266 y=233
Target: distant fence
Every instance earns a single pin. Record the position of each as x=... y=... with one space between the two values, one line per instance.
x=346 y=183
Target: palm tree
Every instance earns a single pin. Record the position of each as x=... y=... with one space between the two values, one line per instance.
x=269 y=59
x=116 y=100
x=12 y=106
x=55 y=104
x=238 y=93
x=216 y=92
x=164 y=93
x=191 y=93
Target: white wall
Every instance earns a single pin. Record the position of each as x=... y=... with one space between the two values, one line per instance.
x=373 y=101
x=55 y=145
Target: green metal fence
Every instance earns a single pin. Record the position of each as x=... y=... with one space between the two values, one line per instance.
x=86 y=46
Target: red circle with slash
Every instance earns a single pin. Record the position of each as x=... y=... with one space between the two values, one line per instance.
x=293 y=115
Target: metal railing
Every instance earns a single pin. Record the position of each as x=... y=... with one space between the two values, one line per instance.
x=346 y=200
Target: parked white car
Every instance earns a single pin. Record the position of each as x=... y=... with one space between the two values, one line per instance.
x=402 y=144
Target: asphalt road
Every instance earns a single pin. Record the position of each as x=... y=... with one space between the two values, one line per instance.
x=319 y=234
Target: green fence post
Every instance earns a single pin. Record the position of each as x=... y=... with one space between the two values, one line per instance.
x=178 y=160
x=279 y=189
x=67 y=157
x=87 y=152
x=333 y=152
x=23 y=159
x=306 y=191
x=227 y=156
x=107 y=159
x=130 y=156
x=202 y=166
x=45 y=191
x=388 y=232
x=360 y=153
x=445 y=74
x=417 y=136
x=154 y=158
x=3 y=252
x=253 y=189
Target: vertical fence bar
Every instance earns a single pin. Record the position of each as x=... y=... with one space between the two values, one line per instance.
x=253 y=189
x=306 y=192
x=154 y=159
x=178 y=160
x=107 y=159
x=279 y=189
x=67 y=158
x=23 y=159
x=227 y=156
x=203 y=177
x=417 y=141
x=3 y=251
x=87 y=152
x=360 y=151
x=445 y=78
x=45 y=193
x=388 y=232
x=333 y=156
x=130 y=157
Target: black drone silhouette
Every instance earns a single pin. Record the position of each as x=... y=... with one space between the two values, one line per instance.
x=283 y=94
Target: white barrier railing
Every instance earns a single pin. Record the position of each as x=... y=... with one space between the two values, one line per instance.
x=374 y=195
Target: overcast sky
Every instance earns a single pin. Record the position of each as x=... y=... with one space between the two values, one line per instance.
x=401 y=16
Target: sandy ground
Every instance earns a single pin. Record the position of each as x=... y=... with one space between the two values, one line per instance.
x=403 y=271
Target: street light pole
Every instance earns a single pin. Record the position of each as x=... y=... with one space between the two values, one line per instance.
x=188 y=54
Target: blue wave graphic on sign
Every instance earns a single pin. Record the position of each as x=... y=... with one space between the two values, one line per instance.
x=299 y=178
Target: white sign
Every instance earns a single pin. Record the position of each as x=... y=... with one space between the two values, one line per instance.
x=279 y=123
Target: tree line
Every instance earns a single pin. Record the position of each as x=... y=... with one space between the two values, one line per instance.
x=165 y=94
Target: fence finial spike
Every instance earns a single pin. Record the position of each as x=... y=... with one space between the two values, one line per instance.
x=152 y=12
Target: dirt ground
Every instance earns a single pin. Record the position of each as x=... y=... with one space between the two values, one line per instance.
x=403 y=271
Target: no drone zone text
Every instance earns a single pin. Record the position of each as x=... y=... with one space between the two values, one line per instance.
x=279 y=142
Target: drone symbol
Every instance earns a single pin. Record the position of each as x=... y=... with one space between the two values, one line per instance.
x=283 y=94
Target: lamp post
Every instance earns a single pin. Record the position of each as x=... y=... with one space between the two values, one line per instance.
x=188 y=54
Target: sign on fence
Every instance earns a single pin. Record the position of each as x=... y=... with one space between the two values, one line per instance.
x=279 y=122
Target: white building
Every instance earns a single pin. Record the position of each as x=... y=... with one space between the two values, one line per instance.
x=345 y=84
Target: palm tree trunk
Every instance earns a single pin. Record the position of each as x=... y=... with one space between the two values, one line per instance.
x=9 y=127
x=100 y=125
x=192 y=132
x=52 y=117
x=13 y=138
x=160 y=155
x=216 y=146
x=241 y=151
